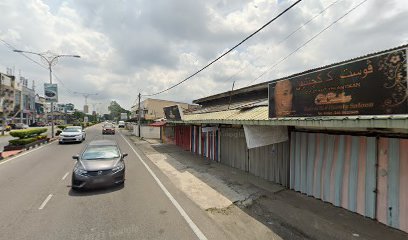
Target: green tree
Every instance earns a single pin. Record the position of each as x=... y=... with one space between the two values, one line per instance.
x=115 y=110
x=78 y=116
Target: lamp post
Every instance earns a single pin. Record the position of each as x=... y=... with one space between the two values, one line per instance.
x=51 y=59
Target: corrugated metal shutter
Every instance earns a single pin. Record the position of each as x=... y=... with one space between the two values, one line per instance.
x=339 y=169
x=392 y=199
x=233 y=148
x=182 y=136
x=271 y=162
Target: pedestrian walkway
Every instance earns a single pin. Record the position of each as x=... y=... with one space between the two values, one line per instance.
x=292 y=215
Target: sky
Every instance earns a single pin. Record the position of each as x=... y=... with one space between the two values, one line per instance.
x=142 y=46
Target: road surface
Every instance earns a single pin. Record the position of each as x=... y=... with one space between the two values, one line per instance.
x=36 y=201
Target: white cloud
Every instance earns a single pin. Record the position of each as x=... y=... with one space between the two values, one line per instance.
x=131 y=46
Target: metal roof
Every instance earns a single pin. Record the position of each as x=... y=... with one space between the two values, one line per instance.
x=259 y=116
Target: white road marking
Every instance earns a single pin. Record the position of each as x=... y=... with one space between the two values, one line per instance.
x=45 y=202
x=25 y=153
x=63 y=178
x=190 y=222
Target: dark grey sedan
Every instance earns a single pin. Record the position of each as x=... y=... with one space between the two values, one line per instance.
x=100 y=164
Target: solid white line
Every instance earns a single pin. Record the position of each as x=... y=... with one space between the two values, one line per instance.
x=190 y=222
x=63 y=178
x=45 y=202
x=25 y=153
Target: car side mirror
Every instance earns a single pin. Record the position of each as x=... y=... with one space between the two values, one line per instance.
x=124 y=155
x=76 y=157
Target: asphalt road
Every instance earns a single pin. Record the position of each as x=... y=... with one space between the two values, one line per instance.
x=36 y=201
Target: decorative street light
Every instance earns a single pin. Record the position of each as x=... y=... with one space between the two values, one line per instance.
x=51 y=59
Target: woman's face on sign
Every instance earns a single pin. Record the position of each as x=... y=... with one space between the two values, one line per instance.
x=283 y=98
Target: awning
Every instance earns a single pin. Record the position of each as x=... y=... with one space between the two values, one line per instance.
x=158 y=124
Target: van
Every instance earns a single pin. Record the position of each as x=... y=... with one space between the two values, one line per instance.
x=121 y=124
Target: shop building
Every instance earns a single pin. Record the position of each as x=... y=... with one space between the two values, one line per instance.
x=338 y=133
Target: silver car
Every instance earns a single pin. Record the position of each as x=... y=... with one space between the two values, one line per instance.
x=72 y=134
x=101 y=164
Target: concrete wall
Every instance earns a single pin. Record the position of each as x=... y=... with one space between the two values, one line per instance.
x=147 y=132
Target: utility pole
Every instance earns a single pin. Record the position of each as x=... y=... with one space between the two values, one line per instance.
x=139 y=115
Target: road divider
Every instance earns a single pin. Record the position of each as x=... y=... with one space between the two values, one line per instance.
x=65 y=176
x=45 y=202
x=23 y=153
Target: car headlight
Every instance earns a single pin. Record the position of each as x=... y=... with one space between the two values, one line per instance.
x=119 y=167
x=80 y=170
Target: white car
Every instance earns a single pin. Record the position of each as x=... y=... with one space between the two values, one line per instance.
x=72 y=134
x=121 y=124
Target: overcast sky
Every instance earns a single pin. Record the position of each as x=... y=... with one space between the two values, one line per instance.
x=132 y=46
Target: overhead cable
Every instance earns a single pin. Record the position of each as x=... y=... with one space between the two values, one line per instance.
x=227 y=52
x=307 y=42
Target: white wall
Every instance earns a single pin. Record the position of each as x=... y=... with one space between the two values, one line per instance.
x=147 y=132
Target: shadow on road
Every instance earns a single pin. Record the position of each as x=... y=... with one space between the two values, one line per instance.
x=85 y=193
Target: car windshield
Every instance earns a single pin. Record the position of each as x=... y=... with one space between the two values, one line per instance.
x=100 y=153
x=108 y=126
x=72 y=130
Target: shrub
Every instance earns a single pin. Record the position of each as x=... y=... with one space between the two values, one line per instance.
x=24 y=141
x=27 y=133
x=62 y=127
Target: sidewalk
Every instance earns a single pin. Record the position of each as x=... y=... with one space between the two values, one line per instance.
x=261 y=209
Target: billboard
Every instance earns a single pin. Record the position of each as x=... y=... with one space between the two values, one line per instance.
x=371 y=86
x=174 y=113
x=51 y=92
x=123 y=116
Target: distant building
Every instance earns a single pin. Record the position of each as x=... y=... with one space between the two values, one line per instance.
x=153 y=108
x=40 y=108
x=86 y=109
x=7 y=83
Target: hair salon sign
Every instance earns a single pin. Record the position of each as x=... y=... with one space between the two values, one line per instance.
x=372 y=86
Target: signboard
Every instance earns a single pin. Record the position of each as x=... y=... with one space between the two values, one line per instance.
x=51 y=92
x=372 y=86
x=86 y=119
x=123 y=116
x=174 y=113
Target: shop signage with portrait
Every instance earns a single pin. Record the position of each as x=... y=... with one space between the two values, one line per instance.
x=372 y=86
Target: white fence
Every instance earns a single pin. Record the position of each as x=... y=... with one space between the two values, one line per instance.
x=147 y=132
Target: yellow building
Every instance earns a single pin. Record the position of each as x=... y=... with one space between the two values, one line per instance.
x=152 y=109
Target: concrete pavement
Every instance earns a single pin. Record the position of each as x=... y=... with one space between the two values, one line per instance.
x=232 y=197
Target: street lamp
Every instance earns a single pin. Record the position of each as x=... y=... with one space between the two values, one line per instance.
x=51 y=59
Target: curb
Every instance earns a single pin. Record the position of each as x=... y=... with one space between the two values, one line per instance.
x=23 y=150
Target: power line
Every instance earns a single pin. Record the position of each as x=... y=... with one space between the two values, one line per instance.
x=13 y=48
x=230 y=50
x=289 y=36
x=308 y=41
x=69 y=91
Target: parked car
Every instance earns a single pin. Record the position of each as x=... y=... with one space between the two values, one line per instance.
x=121 y=124
x=108 y=129
x=72 y=134
x=37 y=124
x=100 y=164
x=20 y=126
x=5 y=128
